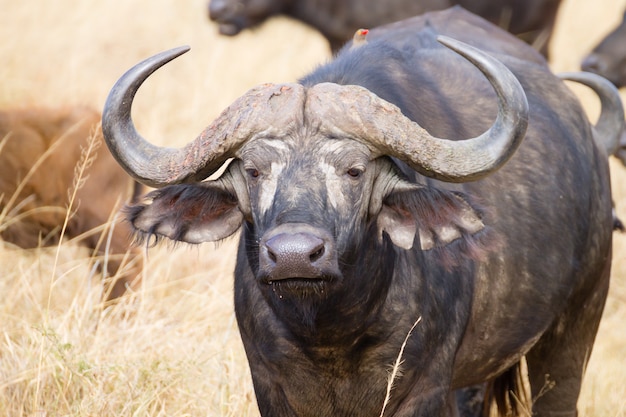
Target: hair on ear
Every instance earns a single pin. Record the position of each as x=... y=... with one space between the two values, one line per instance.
x=450 y=224
x=191 y=213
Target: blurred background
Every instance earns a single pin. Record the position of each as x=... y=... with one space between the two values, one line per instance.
x=171 y=346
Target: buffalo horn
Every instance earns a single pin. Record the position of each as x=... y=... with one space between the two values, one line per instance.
x=610 y=124
x=386 y=129
x=382 y=126
x=157 y=166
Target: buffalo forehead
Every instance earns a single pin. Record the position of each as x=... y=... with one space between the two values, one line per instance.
x=346 y=111
x=268 y=110
x=326 y=109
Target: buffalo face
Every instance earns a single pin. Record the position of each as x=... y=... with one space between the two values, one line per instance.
x=312 y=207
x=308 y=201
x=313 y=179
x=608 y=58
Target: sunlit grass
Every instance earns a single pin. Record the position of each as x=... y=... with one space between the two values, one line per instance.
x=171 y=346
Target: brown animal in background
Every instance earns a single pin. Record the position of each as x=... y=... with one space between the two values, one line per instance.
x=41 y=153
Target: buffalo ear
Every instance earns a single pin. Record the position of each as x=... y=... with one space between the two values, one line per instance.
x=192 y=213
x=401 y=227
x=439 y=218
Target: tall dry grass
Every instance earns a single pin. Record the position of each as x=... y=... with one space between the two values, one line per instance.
x=172 y=347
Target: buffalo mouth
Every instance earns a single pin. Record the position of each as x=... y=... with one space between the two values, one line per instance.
x=229 y=29
x=234 y=24
x=297 y=258
x=301 y=287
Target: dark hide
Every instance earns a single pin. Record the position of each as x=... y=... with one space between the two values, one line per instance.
x=608 y=57
x=516 y=264
x=531 y=20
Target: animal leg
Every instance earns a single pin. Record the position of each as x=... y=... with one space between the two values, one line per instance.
x=556 y=365
x=469 y=401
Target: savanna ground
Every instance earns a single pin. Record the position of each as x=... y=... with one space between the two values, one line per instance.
x=172 y=348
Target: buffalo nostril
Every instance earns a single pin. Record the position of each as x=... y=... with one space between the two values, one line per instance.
x=294 y=255
x=317 y=254
x=286 y=246
x=297 y=251
x=271 y=255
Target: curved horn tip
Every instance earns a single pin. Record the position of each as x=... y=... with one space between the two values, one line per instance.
x=610 y=124
x=158 y=60
x=586 y=78
x=513 y=111
x=447 y=40
x=178 y=51
x=125 y=143
x=454 y=44
x=130 y=81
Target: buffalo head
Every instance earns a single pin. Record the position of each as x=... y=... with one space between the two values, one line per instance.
x=311 y=174
x=608 y=58
x=360 y=204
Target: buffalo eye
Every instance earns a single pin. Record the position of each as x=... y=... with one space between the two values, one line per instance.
x=253 y=172
x=354 y=172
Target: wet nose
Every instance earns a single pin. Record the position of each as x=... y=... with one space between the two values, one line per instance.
x=295 y=255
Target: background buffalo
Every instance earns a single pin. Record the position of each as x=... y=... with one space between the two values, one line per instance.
x=608 y=57
x=531 y=20
x=58 y=180
x=172 y=348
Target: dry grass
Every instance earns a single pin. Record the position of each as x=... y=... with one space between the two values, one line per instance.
x=172 y=348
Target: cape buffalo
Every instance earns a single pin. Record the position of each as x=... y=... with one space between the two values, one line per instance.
x=400 y=204
x=608 y=58
x=40 y=151
x=531 y=20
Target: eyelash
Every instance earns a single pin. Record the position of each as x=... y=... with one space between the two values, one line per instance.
x=354 y=172
x=253 y=172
